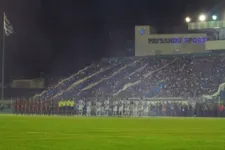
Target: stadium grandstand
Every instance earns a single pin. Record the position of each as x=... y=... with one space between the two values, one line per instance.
x=159 y=89
x=185 y=68
x=187 y=65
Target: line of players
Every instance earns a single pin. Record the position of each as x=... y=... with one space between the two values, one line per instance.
x=28 y=106
x=88 y=108
x=122 y=108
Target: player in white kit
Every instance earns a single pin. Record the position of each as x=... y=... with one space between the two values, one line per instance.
x=127 y=108
x=146 y=109
x=98 y=107
x=88 y=105
x=102 y=109
x=115 y=103
x=140 y=108
x=121 y=104
x=80 y=107
x=106 y=105
x=135 y=108
x=131 y=108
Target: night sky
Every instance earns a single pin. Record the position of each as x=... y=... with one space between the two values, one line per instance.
x=59 y=37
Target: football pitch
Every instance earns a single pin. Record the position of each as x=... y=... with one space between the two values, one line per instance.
x=96 y=133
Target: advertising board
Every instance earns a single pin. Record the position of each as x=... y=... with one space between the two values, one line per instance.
x=163 y=44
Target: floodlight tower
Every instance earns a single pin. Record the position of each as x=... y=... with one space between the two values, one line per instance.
x=202 y=17
x=188 y=19
x=214 y=17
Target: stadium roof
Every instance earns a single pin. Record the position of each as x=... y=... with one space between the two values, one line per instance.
x=206 y=25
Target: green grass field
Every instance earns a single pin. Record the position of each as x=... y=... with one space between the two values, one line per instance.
x=80 y=133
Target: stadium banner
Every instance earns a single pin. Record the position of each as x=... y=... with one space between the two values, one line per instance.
x=166 y=44
x=215 y=45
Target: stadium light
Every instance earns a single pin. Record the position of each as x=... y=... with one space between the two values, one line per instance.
x=214 y=17
x=202 y=18
x=187 y=19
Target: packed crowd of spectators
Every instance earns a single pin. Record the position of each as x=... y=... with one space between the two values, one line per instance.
x=168 y=76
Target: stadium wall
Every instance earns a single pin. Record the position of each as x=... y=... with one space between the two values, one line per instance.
x=10 y=93
x=215 y=45
x=147 y=43
x=38 y=83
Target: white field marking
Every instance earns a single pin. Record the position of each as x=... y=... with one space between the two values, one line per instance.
x=186 y=139
x=37 y=132
x=69 y=137
x=106 y=137
x=130 y=132
x=115 y=130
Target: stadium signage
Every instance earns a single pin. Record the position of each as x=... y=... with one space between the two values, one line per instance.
x=178 y=40
x=142 y=31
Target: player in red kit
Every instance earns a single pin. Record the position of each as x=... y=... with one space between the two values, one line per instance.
x=56 y=108
x=15 y=107
x=38 y=107
x=30 y=106
x=18 y=106
x=28 y=103
x=22 y=107
x=46 y=107
x=33 y=107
